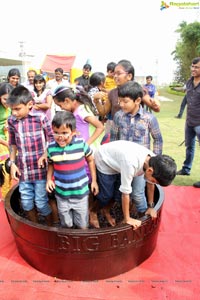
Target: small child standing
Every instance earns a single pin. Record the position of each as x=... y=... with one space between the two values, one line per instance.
x=87 y=125
x=29 y=132
x=66 y=164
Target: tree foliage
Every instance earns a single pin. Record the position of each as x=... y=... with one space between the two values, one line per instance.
x=187 y=48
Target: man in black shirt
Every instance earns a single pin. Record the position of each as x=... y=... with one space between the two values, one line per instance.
x=192 y=125
x=83 y=80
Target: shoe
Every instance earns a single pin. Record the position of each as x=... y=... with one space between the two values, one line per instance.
x=182 y=172
x=178 y=117
x=197 y=184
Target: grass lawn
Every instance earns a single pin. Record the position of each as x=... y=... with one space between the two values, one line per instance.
x=173 y=135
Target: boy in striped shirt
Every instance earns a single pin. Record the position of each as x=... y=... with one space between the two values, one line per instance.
x=66 y=164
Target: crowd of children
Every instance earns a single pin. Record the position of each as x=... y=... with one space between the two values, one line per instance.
x=91 y=153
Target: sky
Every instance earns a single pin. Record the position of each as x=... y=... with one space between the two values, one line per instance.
x=98 y=31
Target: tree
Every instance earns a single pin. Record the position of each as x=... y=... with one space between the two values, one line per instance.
x=187 y=48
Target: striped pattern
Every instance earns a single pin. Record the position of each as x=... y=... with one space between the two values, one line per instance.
x=70 y=175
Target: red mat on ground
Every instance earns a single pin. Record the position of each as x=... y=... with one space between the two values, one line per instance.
x=172 y=271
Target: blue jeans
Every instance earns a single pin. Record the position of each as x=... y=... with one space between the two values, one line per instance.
x=108 y=188
x=138 y=193
x=33 y=193
x=190 y=136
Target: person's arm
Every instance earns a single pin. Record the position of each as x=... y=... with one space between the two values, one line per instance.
x=156 y=135
x=3 y=142
x=50 y=185
x=46 y=105
x=103 y=106
x=150 y=199
x=92 y=168
x=126 y=212
x=152 y=103
x=14 y=170
x=99 y=128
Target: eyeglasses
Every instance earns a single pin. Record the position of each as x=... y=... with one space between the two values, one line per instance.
x=194 y=67
x=120 y=73
x=62 y=135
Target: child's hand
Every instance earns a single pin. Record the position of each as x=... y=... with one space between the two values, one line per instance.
x=151 y=212
x=42 y=161
x=14 y=172
x=155 y=104
x=133 y=222
x=50 y=186
x=94 y=188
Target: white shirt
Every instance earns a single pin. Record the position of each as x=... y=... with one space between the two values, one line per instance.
x=29 y=86
x=122 y=157
x=52 y=85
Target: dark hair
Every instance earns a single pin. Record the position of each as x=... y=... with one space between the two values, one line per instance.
x=111 y=66
x=196 y=60
x=164 y=169
x=149 y=77
x=5 y=88
x=13 y=72
x=64 y=118
x=39 y=78
x=87 y=67
x=128 y=67
x=60 y=70
x=130 y=89
x=19 y=95
x=80 y=95
x=96 y=79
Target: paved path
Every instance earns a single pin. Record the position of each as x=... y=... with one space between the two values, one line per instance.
x=162 y=99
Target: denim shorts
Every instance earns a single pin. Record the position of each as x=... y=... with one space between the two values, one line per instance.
x=108 y=188
x=33 y=193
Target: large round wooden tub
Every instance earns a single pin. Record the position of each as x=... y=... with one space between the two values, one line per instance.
x=75 y=254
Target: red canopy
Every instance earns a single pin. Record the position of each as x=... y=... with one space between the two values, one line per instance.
x=51 y=62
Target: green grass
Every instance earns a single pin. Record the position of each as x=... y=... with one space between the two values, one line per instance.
x=172 y=130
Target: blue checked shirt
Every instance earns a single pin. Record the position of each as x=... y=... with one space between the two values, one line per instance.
x=138 y=128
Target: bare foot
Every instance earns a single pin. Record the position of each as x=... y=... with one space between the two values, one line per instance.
x=94 y=219
x=107 y=214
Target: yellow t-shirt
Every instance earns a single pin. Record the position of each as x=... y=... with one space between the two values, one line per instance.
x=110 y=83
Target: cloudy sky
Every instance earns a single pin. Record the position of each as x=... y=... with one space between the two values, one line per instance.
x=102 y=31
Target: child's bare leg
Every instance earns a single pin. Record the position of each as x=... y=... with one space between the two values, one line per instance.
x=93 y=208
x=106 y=212
x=49 y=219
x=55 y=216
